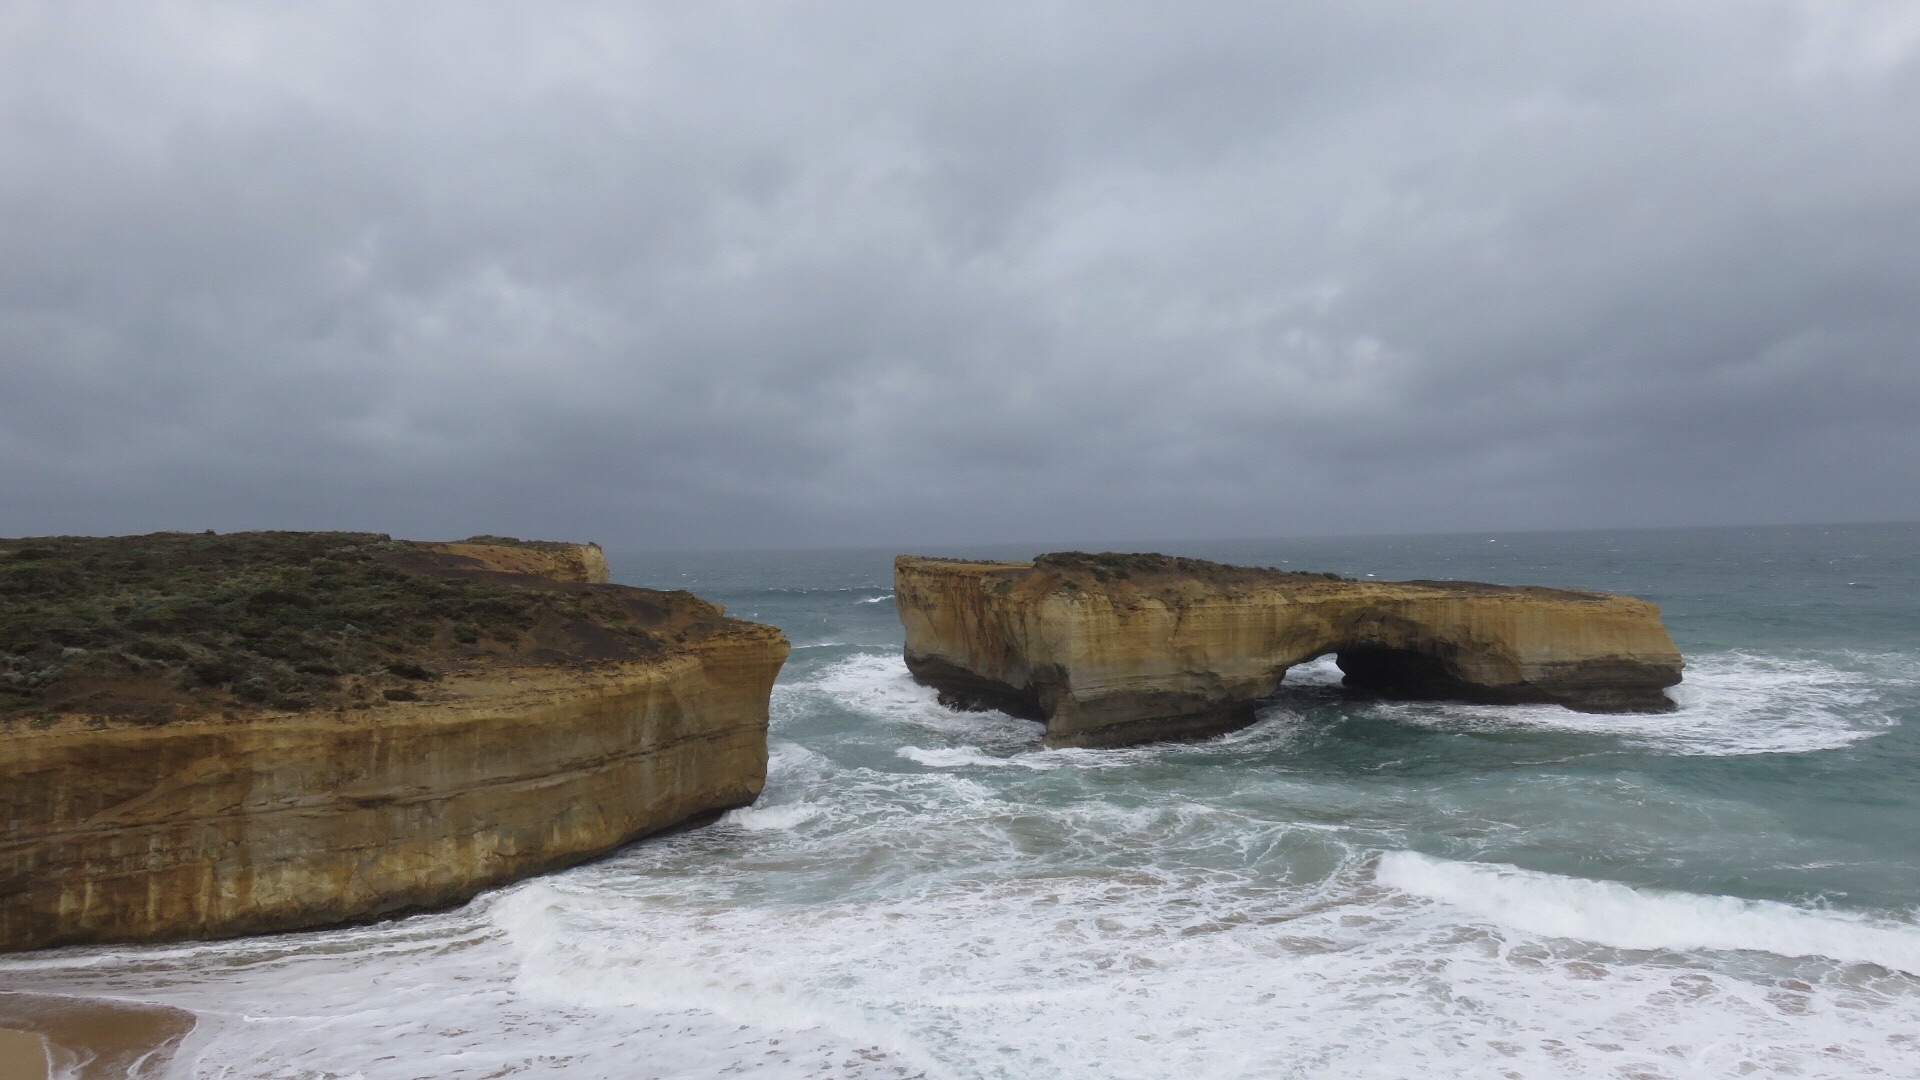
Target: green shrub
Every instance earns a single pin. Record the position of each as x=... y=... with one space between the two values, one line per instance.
x=268 y=617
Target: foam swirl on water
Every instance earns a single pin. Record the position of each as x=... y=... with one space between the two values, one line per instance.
x=1730 y=704
x=757 y=818
x=1613 y=914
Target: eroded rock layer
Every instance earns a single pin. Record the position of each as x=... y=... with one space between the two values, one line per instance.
x=1117 y=649
x=583 y=563
x=121 y=828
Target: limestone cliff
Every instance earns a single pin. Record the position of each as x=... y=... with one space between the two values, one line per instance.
x=617 y=713
x=584 y=563
x=1117 y=649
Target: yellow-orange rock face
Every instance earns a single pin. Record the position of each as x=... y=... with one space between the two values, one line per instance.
x=584 y=563
x=1110 y=650
x=264 y=821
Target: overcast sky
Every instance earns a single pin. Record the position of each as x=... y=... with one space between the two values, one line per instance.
x=881 y=273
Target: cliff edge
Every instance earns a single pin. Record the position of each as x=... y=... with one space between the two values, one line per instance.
x=204 y=736
x=1110 y=650
x=582 y=563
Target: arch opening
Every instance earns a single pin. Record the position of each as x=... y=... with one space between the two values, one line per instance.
x=1405 y=674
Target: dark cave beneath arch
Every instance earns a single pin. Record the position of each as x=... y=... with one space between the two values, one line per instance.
x=1406 y=674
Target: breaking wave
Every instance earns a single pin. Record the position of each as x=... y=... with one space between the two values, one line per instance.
x=1618 y=915
x=1730 y=704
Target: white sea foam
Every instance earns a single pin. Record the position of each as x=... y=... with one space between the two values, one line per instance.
x=879 y=686
x=1613 y=914
x=761 y=818
x=567 y=961
x=1128 y=975
x=1156 y=973
x=1138 y=972
x=876 y=684
x=874 y=920
x=958 y=757
x=790 y=758
x=1321 y=671
x=876 y=599
x=1730 y=703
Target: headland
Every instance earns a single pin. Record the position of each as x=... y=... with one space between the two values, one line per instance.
x=210 y=735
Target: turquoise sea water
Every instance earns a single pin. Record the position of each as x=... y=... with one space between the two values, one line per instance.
x=1344 y=889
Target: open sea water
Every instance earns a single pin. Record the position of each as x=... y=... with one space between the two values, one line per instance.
x=1345 y=889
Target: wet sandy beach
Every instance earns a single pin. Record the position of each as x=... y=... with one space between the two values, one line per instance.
x=44 y=1035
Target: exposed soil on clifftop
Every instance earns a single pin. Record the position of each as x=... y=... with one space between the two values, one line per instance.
x=175 y=625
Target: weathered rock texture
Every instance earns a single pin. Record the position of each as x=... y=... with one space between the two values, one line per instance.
x=1110 y=650
x=584 y=563
x=257 y=820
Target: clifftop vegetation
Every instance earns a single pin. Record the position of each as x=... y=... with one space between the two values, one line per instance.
x=171 y=624
x=1120 y=566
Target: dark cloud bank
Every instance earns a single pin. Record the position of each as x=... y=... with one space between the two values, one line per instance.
x=764 y=274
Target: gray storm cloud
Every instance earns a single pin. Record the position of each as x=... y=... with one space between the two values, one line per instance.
x=873 y=273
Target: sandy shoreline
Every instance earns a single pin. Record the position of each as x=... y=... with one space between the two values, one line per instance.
x=45 y=1035
x=23 y=1056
